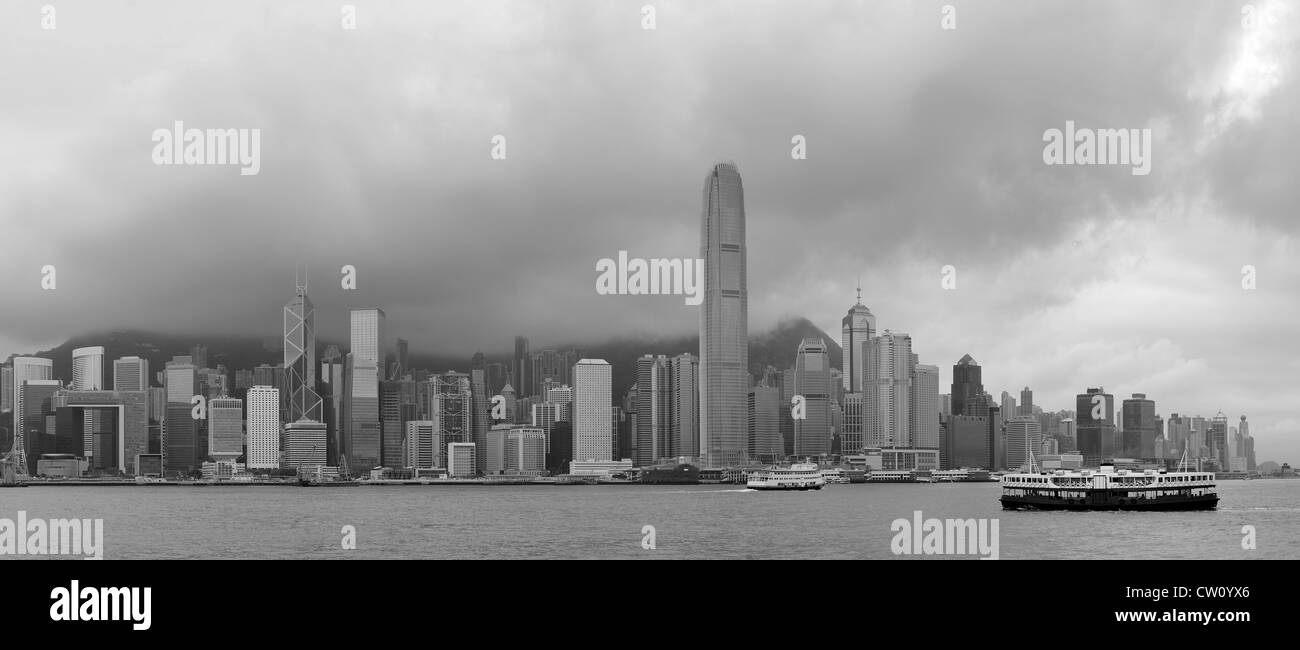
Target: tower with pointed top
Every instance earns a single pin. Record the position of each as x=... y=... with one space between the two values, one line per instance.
x=859 y=326
x=300 y=355
x=724 y=322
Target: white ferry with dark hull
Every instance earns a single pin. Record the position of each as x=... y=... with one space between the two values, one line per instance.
x=800 y=476
x=1109 y=489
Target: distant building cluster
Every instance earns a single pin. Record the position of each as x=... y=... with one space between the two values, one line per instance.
x=365 y=412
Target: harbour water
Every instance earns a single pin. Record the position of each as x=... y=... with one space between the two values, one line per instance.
x=690 y=522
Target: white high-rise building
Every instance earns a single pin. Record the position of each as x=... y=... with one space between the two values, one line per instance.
x=88 y=368
x=925 y=407
x=26 y=369
x=887 y=409
x=461 y=460
x=263 y=427
x=592 y=398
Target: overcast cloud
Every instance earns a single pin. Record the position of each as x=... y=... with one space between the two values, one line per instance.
x=924 y=149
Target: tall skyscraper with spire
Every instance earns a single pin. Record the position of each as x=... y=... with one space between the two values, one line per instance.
x=859 y=326
x=724 y=327
x=300 y=356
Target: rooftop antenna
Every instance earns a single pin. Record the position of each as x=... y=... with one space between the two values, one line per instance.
x=859 y=290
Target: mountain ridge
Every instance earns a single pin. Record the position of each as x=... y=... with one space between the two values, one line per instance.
x=777 y=347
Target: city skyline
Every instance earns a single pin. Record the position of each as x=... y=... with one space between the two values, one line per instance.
x=1066 y=278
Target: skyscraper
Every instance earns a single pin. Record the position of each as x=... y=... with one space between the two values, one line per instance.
x=521 y=370
x=1139 y=427
x=888 y=380
x=225 y=428
x=562 y=398
x=88 y=374
x=481 y=410
x=1095 y=425
x=812 y=380
x=300 y=358
x=180 y=430
x=966 y=384
x=305 y=444
x=362 y=444
x=1248 y=444
x=87 y=369
x=592 y=397
x=1009 y=403
x=448 y=401
x=131 y=373
x=6 y=388
x=1179 y=430
x=1026 y=403
x=684 y=375
x=853 y=432
x=765 y=442
x=724 y=334
x=858 y=327
x=526 y=450
x=35 y=402
x=392 y=422
x=1217 y=439
x=422 y=448
x=367 y=334
x=401 y=365
x=654 y=396
x=924 y=409
x=547 y=368
x=263 y=427
x=1023 y=437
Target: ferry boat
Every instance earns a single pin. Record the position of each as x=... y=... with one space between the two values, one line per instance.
x=1109 y=489
x=800 y=476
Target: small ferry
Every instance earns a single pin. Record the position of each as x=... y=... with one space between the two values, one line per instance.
x=1109 y=489
x=800 y=476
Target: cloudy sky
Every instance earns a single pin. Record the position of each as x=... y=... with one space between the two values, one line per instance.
x=924 y=149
